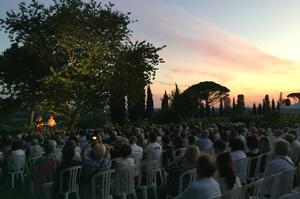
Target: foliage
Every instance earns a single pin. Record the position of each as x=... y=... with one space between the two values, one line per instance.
x=86 y=50
x=149 y=103
x=266 y=104
x=165 y=102
x=294 y=96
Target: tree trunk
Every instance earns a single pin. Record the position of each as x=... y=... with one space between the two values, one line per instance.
x=30 y=122
x=74 y=119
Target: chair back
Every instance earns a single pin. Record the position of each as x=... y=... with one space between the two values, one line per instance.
x=16 y=163
x=101 y=185
x=124 y=181
x=240 y=167
x=286 y=181
x=235 y=193
x=186 y=178
x=253 y=189
x=137 y=158
x=69 y=179
x=271 y=185
x=47 y=190
x=30 y=162
x=179 y=153
x=148 y=171
x=253 y=167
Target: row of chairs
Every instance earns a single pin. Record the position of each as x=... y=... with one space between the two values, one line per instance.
x=257 y=189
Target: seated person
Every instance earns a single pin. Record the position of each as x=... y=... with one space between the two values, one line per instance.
x=281 y=162
x=174 y=170
x=225 y=174
x=205 y=186
x=46 y=166
x=124 y=161
x=67 y=162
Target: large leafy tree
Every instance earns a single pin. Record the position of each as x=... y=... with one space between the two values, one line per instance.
x=207 y=93
x=20 y=73
x=294 y=96
x=85 y=46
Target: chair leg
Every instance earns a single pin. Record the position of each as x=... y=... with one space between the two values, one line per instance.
x=134 y=195
x=77 y=195
x=12 y=180
x=123 y=196
x=22 y=179
x=144 y=190
x=155 y=192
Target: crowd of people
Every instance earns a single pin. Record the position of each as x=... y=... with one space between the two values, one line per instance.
x=212 y=149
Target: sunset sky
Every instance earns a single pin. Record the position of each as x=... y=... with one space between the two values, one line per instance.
x=252 y=47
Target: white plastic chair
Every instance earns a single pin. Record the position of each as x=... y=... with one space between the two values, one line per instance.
x=47 y=190
x=73 y=174
x=272 y=183
x=252 y=190
x=240 y=166
x=256 y=169
x=137 y=158
x=16 y=167
x=179 y=153
x=30 y=162
x=123 y=184
x=149 y=169
x=185 y=179
x=101 y=185
x=235 y=193
x=286 y=180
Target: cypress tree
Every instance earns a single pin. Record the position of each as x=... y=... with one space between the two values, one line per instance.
x=165 y=102
x=233 y=105
x=259 y=109
x=221 y=110
x=273 y=105
x=213 y=111
x=254 y=110
x=149 y=103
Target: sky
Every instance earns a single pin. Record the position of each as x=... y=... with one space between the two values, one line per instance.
x=251 y=47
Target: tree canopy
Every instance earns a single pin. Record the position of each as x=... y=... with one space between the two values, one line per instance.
x=84 y=55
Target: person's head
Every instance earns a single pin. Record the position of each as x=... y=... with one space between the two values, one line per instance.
x=16 y=145
x=177 y=142
x=35 y=141
x=192 y=153
x=206 y=166
x=132 y=139
x=290 y=138
x=68 y=153
x=49 y=147
x=191 y=140
x=165 y=140
x=219 y=146
x=125 y=150
x=236 y=144
x=226 y=168
x=204 y=134
x=252 y=142
x=281 y=147
x=152 y=137
x=99 y=151
x=264 y=144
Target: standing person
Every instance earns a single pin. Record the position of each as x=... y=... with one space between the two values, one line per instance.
x=39 y=124
x=51 y=123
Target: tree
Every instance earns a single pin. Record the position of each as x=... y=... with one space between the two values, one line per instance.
x=149 y=104
x=213 y=113
x=207 y=92
x=175 y=100
x=20 y=76
x=227 y=105
x=259 y=109
x=221 y=110
x=137 y=109
x=165 y=102
x=233 y=105
x=266 y=104
x=87 y=50
x=240 y=104
x=287 y=102
x=294 y=96
x=254 y=110
x=273 y=105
